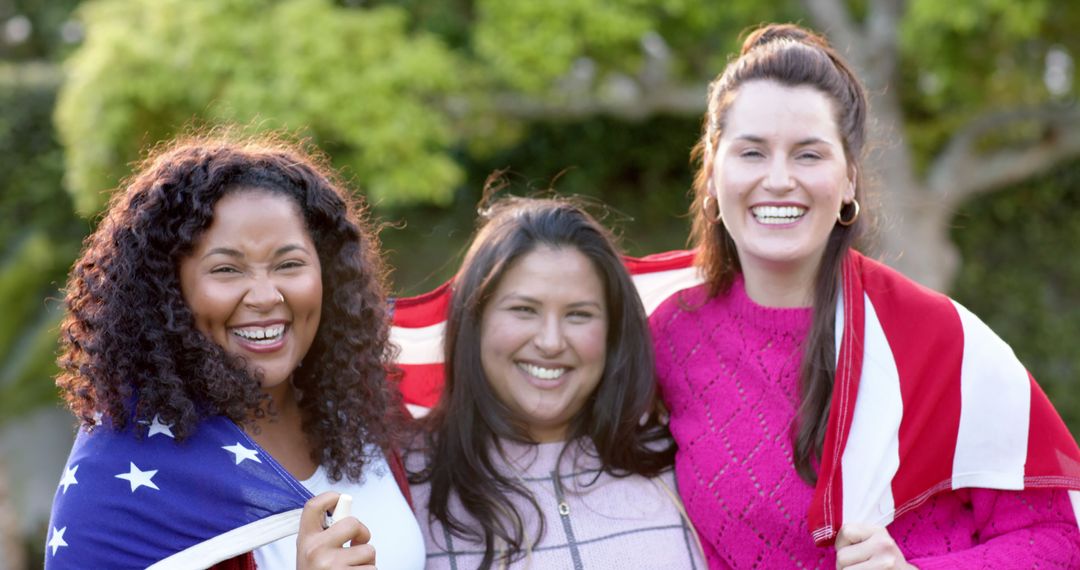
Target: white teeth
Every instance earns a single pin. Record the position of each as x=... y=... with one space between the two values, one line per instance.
x=777 y=214
x=542 y=373
x=260 y=335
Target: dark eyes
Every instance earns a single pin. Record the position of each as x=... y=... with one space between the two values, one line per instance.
x=752 y=153
x=528 y=310
x=291 y=264
x=285 y=265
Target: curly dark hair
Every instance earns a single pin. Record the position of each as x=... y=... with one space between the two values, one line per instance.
x=463 y=430
x=129 y=346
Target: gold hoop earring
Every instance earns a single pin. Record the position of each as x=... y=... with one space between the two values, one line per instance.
x=840 y=215
x=719 y=219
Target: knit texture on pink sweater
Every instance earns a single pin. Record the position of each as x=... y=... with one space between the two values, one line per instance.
x=729 y=374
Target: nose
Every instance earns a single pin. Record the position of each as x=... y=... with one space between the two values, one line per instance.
x=778 y=179
x=550 y=339
x=263 y=295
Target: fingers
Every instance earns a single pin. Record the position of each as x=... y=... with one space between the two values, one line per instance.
x=323 y=548
x=346 y=529
x=852 y=534
x=359 y=555
x=314 y=513
x=862 y=547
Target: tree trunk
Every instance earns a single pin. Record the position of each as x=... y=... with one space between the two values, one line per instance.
x=11 y=548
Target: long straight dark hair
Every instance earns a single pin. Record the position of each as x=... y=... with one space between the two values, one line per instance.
x=462 y=432
x=791 y=56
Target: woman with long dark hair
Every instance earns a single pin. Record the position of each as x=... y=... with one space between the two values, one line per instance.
x=224 y=350
x=545 y=448
x=819 y=396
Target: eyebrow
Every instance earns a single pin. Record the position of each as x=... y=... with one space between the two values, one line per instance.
x=528 y=299
x=237 y=254
x=803 y=142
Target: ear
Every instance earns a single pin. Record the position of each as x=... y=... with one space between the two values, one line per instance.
x=849 y=192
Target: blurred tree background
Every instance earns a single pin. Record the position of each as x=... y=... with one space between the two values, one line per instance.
x=976 y=165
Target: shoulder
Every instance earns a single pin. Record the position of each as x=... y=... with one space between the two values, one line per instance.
x=677 y=305
x=900 y=305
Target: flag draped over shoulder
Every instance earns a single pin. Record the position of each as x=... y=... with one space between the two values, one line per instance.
x=927 y=398
x=137 y=498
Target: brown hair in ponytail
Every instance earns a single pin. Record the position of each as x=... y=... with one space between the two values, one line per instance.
x=791 y=56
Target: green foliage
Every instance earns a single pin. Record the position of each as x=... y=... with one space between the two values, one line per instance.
x=637 y=188
x=49 y=23
x=965 y=58
x=358 y=81
x=1020 y=275
x=40 y=235
x=530 y=46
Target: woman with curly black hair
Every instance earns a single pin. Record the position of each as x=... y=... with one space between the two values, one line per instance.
x=227 y=330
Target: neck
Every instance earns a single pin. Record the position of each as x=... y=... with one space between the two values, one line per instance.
x=780 y=286
x=281 y=433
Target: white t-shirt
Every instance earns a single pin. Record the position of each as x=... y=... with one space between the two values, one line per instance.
x=379 y=504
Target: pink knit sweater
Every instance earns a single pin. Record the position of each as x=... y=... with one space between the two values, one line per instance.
x=729 y=373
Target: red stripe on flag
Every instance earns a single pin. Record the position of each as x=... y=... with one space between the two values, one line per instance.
x=1053 y=457
x=423 y=310
x=421 y=384
x=929 y=354
x=668 y=260
x=827 y=508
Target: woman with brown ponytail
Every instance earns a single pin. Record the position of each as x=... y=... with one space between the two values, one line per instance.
x=829 y=411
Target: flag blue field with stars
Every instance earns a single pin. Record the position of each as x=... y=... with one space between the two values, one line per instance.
x=151 y=502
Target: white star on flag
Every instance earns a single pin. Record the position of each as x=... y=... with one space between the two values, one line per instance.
x=97 y=420
x=57 y=539
x=157 y=427
x=139 y=478
x=69 y=478
x=242 y=453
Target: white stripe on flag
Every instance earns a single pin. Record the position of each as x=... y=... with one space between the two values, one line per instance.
x=1074 y=497
x=422 y=345
x=995 y=396
x=417 y=411
x=655 y=287
x=872 y=454
x=233 y=543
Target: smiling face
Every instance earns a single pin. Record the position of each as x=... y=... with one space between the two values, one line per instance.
x=254 y=283
x=543 y=338
x=780 y=177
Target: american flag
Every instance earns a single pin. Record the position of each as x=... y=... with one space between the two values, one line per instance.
x=927 y=398
x=137 y=498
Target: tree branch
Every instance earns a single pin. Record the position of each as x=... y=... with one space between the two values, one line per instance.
x=961 y=171
x=882 y=43
x=833 y=18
